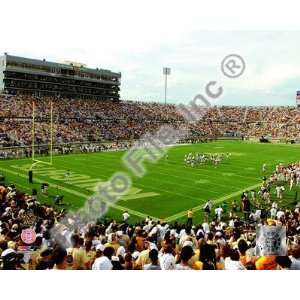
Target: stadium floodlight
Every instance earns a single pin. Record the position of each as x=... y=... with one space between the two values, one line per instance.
x=166 y=72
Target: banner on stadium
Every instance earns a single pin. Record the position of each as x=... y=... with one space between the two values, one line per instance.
x=271 y=240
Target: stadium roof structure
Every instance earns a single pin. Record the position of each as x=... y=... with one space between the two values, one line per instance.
x=69 y=65
x=21 y=75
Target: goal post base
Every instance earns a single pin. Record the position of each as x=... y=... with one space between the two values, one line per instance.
x=36 y=162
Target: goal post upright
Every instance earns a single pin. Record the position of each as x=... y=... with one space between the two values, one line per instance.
x=50 y=144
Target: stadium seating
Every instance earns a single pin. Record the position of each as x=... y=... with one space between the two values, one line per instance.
x=96 y=120
x=222 y=241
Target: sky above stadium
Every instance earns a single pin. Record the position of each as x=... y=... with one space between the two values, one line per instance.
x=138 y=39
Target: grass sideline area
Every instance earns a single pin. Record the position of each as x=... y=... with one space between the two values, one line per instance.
x=169 y=188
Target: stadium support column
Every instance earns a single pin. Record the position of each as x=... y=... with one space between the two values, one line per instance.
x=166 y=72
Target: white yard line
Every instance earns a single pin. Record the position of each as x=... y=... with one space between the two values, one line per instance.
x=199 y=207
x=83 y=195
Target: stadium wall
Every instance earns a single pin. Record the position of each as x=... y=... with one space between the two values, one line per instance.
x=20 y=151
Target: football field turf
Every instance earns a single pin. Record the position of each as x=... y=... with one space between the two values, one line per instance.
x=169 y=188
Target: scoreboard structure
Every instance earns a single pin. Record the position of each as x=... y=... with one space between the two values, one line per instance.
x=298 y=99
x=26 y=76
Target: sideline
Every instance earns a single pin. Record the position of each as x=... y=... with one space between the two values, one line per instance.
x=83 y=195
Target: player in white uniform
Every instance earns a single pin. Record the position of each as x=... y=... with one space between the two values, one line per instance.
x=292 y=181
x=219 y=212
x=185 y=158
x=192 y=161
x=273 y=212
x=67 y=175
x=279 y=191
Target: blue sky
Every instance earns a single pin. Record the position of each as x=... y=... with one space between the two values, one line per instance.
x=140 y=43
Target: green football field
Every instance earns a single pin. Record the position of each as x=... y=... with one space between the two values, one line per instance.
x=169 y=188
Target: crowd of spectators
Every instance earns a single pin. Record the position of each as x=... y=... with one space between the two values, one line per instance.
x=224 y=241
x=77 y=120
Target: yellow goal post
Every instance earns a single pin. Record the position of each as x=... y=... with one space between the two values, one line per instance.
x=35 y=160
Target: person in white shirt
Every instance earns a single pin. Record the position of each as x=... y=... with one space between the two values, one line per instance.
x=166 y=259
x=233 y=262
x=231 y=223
x=295 y=263
x=273 y=212
x=207 y=209
x=219 y=212
x=182 y=234
x=104 y=262
x=162 y=229
x=147 y=227
x=280 y=214
x=126 y=216
x=205 y=227
x=295 y=257
x=255 y=216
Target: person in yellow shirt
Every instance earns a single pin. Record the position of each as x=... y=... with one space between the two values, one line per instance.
x=77 y=255
x=112 y=241
x=90 y=255
x=194 y=262
x=190 y=217
x=143 y=258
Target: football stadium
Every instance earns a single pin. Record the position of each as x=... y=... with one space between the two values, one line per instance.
x=199 y=201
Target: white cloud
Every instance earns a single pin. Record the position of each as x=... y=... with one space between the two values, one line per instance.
x=139 y=37
x=269 y=78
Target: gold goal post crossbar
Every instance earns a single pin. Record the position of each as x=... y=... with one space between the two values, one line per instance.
x=36 y=161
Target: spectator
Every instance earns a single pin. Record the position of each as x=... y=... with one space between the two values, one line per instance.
x=186 y=254
x=233 y=261
x=104 y=262
x=295 y=257
x=59 y=257
x=154 y=265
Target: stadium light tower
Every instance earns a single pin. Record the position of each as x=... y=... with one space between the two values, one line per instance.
x=166 y=72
